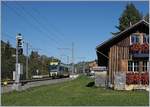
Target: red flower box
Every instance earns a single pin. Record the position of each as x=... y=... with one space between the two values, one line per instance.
x=136 y=78
x=137 y=47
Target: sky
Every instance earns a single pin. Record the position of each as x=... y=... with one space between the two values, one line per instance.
x=50 y=25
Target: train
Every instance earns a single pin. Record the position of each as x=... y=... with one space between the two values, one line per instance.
x=58 y=69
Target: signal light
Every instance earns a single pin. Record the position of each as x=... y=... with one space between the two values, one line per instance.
x=20 y=44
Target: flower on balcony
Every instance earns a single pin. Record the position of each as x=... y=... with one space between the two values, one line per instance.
x=145 y=48
x=137 y=47
x=145 y=78
x=136 y=78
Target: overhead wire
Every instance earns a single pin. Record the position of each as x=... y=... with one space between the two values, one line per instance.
x=40 y=24
x=12 y=38
x=35 y=27
x=51 y=25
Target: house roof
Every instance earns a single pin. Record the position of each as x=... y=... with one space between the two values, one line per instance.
x=121 y=33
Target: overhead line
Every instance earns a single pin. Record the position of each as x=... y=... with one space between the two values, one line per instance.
x=12 y=38
x=35 y=27
x=52 y=25
x=37 y=21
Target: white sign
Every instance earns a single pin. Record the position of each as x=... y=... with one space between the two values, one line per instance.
x=19 y=68
x=14 y=73
x=37 y=71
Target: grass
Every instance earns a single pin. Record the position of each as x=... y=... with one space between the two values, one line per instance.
x=78 y=92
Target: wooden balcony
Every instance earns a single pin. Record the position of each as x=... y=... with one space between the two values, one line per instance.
x=140 y=55
x=139 y=50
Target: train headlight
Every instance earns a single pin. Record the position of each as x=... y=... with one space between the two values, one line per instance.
x=5 y=82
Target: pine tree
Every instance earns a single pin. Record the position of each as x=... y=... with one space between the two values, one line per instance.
x=130 y=15
x=147 y=17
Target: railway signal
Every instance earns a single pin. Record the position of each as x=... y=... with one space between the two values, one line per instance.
x=19 y=41
x=19 y=67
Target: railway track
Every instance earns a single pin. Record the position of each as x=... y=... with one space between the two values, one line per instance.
x=32 y=80
x=25 y=84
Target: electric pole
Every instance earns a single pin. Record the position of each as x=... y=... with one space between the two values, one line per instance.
x=26 y=61
x=83 y=67
x=72 y=58
x=83 y=63
x=16 y=74
x=67 y=59
x=72 y=54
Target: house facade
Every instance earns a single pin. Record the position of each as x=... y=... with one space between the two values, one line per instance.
x=92 y=64
x=127 y=52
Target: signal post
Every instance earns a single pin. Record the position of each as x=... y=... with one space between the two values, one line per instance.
x=19 y=67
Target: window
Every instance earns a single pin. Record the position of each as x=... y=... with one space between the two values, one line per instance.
x=130 y=67
x=144 y=65
x=133 y=66
x=136 y=66
x=146 y=38
x=135 y=39
x=132 y=38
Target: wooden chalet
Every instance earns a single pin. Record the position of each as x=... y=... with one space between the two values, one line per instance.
x=126 y=52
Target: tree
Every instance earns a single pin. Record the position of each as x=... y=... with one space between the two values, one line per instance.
x=36 y=61
x=7 y=61
x=130 y=15
x=44 y=64
x=33 y=63
x=147 y=17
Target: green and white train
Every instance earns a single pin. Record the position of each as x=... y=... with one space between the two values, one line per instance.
x=58 y=69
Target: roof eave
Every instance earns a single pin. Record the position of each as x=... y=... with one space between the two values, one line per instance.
x=122 y=33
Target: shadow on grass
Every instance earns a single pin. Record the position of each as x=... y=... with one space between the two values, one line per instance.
x=90 y=84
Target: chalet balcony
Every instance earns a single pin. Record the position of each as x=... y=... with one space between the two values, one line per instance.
x=139 y=50
x=140 y=55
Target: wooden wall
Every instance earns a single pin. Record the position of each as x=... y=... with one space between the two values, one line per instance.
x=118 y=58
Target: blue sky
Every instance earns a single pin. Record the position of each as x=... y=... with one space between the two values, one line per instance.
x=52 y=25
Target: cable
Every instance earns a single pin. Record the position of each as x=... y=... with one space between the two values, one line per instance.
x=26 y=20
x=37 y=21
x=12 y=38
x=52 y=25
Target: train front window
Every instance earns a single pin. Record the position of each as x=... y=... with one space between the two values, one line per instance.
x=53 y=67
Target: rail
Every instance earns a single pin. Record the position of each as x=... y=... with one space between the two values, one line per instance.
x=32 y=80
